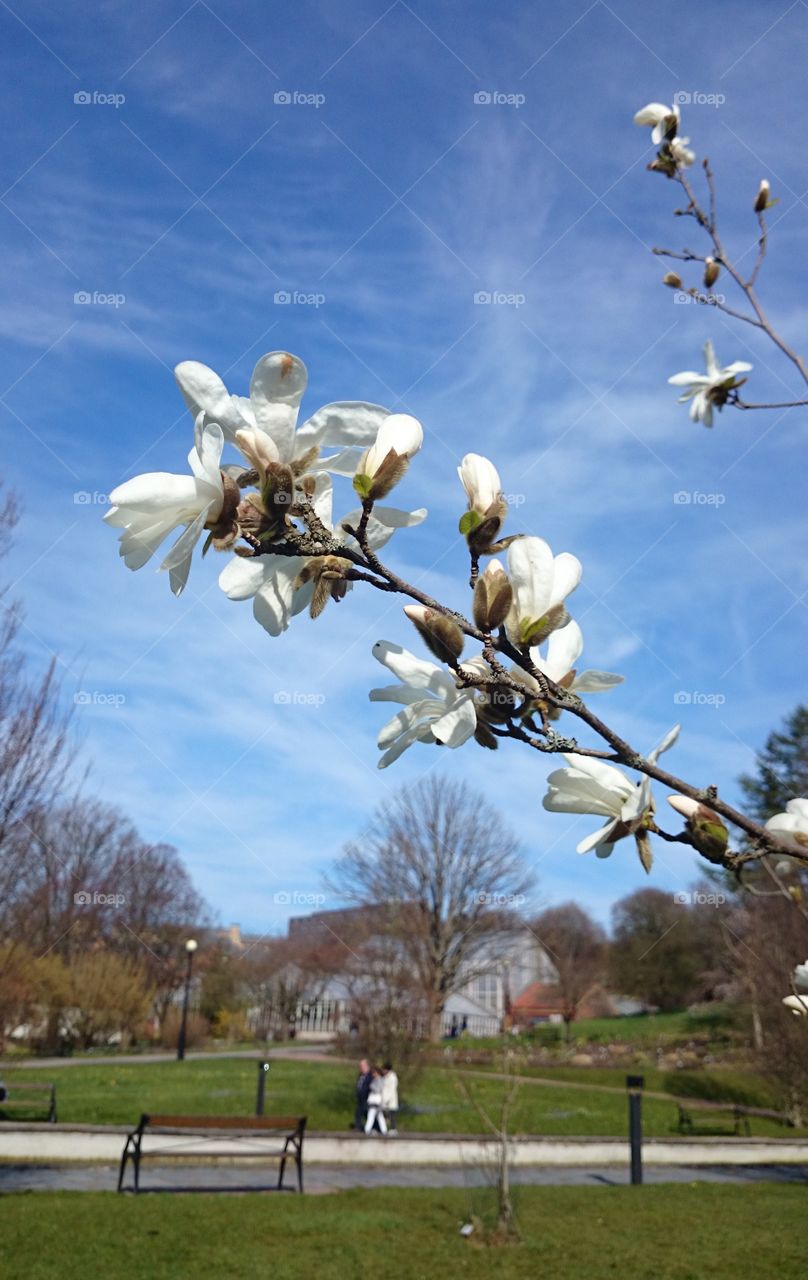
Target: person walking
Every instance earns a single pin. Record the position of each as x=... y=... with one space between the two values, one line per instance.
x=390 y=1097
x=362 y=1090
x=375 y=1113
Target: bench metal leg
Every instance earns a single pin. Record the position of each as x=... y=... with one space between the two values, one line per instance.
x=300 y=1175
x=280 y=1175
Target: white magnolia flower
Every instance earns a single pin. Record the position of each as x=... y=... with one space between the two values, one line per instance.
x=270 y=580
x=791 y=827
x=797 y=1005
x=150 y=506
x=541 y=582
x=564 y=648
x=481 y=481
x=680 y=152
x=592 y=786
x=433 y=708
x=708 y=389
x=661 y=119
x=276 y=389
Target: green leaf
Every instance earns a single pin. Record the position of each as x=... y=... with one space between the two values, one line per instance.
x=469 y=521
x=363 y=485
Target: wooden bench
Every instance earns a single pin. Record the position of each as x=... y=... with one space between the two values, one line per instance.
x=740 y=1117
x=15 y=1095
x=243 y=1130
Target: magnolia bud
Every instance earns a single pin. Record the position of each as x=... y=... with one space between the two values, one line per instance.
x=762 y=197
x=706 y=829
x=493 y=595
x=673 y=281
x=440 y=633
x=711 y=272
x=384 y=463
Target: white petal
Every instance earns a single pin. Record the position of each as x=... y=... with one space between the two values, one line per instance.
x=348 y=422
x=595 y=681
x=600 y=837
x=158 y=491
x=564 y=648
x=276 y=389
x=186 y=542
x=411 y=670
x=530 y=567
x=665 y=744
x=567 y=571
x=458 y=724
x=243 y=576
x=481 y=481
x=202 y=389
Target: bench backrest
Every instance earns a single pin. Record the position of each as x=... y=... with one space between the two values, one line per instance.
x=290 y=1124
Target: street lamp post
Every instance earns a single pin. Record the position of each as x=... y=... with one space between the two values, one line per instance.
x=190 y=947
x=635 y=1085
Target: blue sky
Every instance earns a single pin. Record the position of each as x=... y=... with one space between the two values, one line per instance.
x=181 y=197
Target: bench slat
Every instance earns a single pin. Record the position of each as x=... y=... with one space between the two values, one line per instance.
x=255 y=1123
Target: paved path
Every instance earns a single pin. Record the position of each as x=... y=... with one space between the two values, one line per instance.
x=330 y=1178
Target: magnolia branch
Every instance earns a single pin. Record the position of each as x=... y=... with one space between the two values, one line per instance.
x=368 y=567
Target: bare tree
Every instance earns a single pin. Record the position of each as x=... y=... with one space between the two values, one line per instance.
x=33 y=734
x=577 y=947
x=449 y=871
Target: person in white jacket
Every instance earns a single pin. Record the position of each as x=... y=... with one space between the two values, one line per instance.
x=390 y=1097
x=375 y=1112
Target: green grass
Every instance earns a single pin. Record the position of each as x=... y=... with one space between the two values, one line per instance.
x=118 y=1094
x=673 y=1232
x=643 y=1031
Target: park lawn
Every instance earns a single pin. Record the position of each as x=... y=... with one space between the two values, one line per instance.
x=119 y=1093
x=673 y=1232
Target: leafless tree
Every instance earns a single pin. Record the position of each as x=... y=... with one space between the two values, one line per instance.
x=577 y=947
x=450 y=873
x=34 y=755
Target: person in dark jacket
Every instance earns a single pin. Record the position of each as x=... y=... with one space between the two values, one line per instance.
x=362 y=1090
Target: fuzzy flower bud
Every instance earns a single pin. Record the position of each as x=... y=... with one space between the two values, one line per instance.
x=382 y=465
x=493 y=596
x=440 y=634
x=487 y=507
x=708 y=832
x=672 y=280
x=762 y=197
x=711 y=272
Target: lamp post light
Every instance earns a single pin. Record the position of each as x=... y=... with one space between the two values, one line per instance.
x=190 y=947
